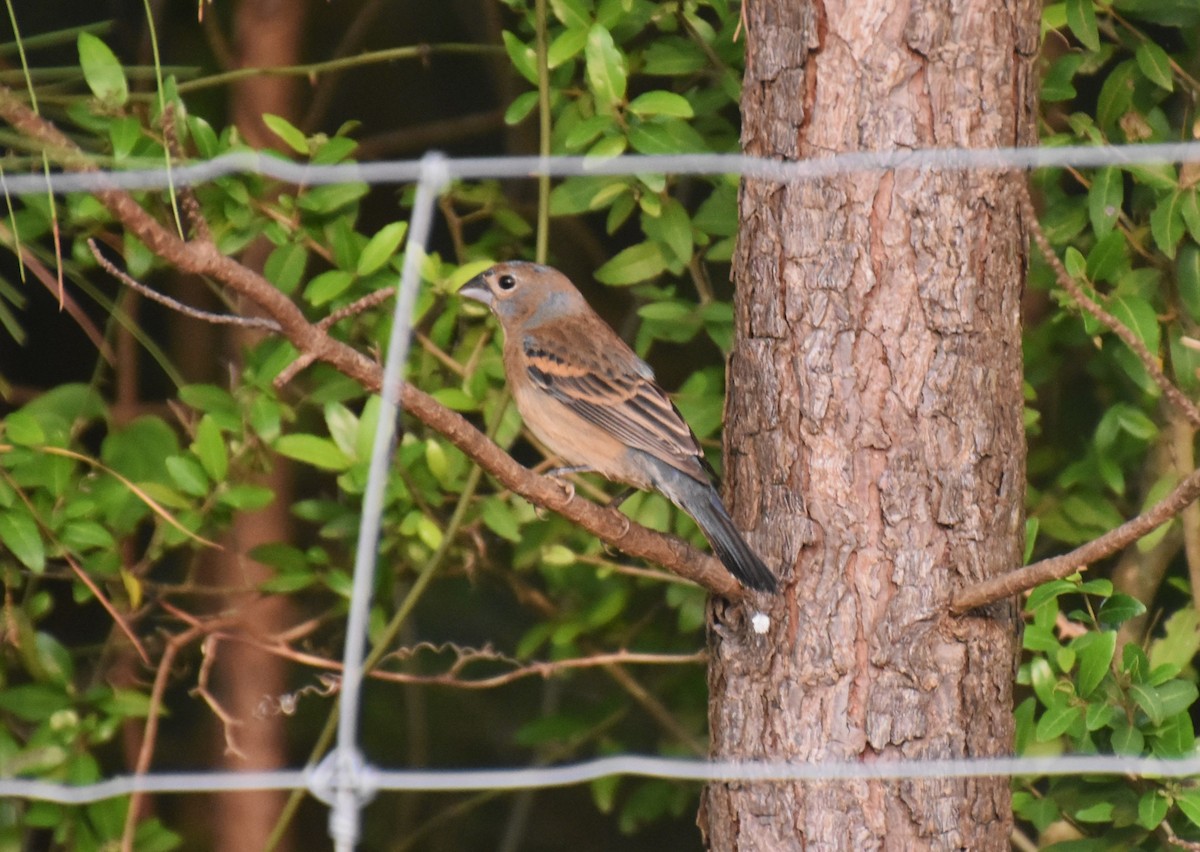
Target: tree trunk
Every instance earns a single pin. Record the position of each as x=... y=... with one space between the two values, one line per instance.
x=267 y=33
x=875 y=447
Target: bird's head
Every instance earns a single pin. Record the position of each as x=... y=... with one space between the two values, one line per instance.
x=521 y=293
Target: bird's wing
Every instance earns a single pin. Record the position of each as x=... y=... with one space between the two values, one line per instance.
x=591 y=371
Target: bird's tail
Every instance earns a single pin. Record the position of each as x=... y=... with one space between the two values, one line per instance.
x=703 y=503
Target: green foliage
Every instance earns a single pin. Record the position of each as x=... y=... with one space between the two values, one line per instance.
x=1128 y=237
x=1091 y=695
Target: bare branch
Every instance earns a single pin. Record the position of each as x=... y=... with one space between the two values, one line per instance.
x=1172 y=393
x=1057 y=567
x=174 y=304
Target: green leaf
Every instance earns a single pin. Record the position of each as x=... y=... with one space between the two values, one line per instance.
x=209 y=447
x=1191 y=212
x=498 y=516
x=522 y=56
x=1096 y=651
x=673 y=227
x=1109 y=258
x=1047 y=592
x=247 y=497
x=437 y=461
x=1189 y=802
x=313 y=450
x=329 y=199
x=661 y=102
x=1075 y=263
x=1120 y=608
x=86 y=535
x=1152 y=809
x=1056 y=720
x=673 y=57
x=34 y=702
x=23 y=428
x=1187 y=277
x=1126 y=738
x=124 y=133
x=1180 y=641
x=1177 y=695
x=1106 y=196
x=609 y=146
x=380 y=248
x=1166 y=223
x=586 y=131
x=328 y=286
x=188 y=475
x=1147 y=698
x=566 y=46
x=639 y=262
x=1098 y=715
x=1155 y=64
x=663 y=135
x=291 y=135
x=520 y=108
x=605 y=69
x=285 y=266
x=1116 y=94
x=19 y=533
x=572 y=13
x=1175 y=737
x=1081 y=18
x=1096 y=812
x=1138 y=315
x=101 y=70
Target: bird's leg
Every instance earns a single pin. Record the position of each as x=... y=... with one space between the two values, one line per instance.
x=560 y=473
x=620 y=497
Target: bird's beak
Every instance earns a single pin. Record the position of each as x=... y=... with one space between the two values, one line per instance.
x=477 y=289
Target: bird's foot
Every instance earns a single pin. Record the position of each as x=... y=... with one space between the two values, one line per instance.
x=561 y=474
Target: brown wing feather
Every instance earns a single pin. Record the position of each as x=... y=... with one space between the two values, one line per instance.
x=615 y=391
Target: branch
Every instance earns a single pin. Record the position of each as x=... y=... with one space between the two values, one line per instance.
x=1057 y=567
x=174 y=304
x=1172 y=393
x=202 y=257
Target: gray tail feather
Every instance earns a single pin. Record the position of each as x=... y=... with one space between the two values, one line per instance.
x=705 y=506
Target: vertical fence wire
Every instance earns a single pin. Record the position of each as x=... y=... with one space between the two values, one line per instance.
x=351 y=779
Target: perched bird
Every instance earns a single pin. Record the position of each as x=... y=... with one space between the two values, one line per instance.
x=586 y=396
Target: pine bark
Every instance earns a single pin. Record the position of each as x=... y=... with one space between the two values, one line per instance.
x=875 y=447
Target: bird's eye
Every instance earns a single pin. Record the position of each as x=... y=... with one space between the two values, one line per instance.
x=506 y=282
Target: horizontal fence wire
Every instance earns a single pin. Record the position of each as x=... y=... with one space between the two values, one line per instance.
x=345 y=781
x=541 y=777
x=477 y=168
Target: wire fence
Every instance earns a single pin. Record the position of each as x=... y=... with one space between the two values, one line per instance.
x=344 y=779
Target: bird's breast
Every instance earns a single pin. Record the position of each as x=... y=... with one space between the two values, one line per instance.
x=575 y=440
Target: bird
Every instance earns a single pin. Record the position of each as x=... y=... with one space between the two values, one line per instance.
x=595 y=404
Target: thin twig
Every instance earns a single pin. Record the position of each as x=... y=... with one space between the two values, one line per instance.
x=453 y=675
x=174 y=304
x=305 y=359
x=1172 y=393
x=208 y=655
